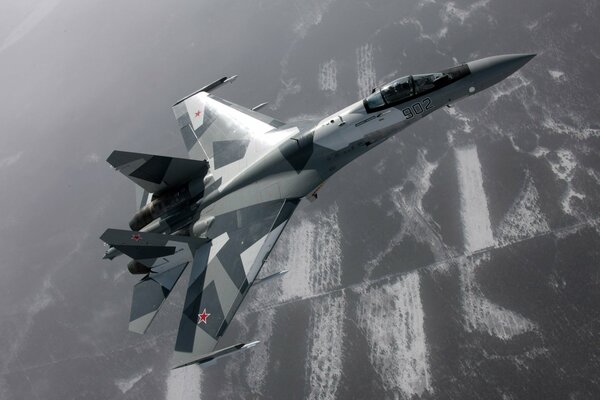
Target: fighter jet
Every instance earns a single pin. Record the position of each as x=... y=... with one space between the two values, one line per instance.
x=222 y=209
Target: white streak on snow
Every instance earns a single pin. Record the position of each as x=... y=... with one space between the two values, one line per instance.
x=328 y=76
x=578 y=129
x=262 y=323
x=311 y=14
x=310 y=250
x=312 y=254
x=184 y=383
x=29 y=23
x=452 y=12
x=43 y=299
x=539 y=151
x=366 y=78
x=392 y=316
x=474 y=212
x=532 y=25
x=433 y=37
x=125 y=385
x=290 y=87
x=460 y=117
x=228 y=390
x=563 y=166
x=509 y=86
x=557 y=75
x=481 y=314
x=324 y=363
x=524 y=219
x=10 y=160
x=416 y=223
x=259 y=360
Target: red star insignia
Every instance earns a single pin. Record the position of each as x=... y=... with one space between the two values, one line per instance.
x=202 y=317
x=136 y=237
x=197 y=113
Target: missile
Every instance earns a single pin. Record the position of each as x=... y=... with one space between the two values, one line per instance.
x=111 y=253
x=209 y=88
x=230 y=79
x=211 y=358
x=269 y=277
x=261 y=105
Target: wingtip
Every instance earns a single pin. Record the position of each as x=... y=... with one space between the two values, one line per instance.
x=211 y=358
x=105 y=237
x=111 y=157
x=251 y=344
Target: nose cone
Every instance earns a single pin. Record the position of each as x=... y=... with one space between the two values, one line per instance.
x=491 y=70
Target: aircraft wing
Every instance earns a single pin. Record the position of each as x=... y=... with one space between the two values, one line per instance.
x=222 y=272
x=229 y=136
x=149 y=294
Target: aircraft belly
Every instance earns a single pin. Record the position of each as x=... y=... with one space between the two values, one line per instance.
x=284 y=185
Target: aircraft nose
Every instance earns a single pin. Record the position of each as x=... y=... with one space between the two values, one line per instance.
x=491 y=70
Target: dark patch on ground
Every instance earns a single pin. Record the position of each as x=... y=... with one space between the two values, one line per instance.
x=287 y=353
x=408 y=255
x=442 y=201
x=362 y=239
x=503 y=171
x=359 y=380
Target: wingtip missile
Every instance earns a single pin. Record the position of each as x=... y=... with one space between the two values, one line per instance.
x=111 y=253
x=211 y=358
x=258 y=107
x=230 y=79
x=209 y=88
x=268 y=277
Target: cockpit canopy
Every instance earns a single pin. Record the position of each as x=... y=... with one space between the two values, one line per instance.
x=412 y=86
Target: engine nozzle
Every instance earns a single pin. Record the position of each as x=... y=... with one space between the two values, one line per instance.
x=159 y=206
x=137 y=268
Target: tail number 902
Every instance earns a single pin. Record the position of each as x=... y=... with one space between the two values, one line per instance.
x=417 y=108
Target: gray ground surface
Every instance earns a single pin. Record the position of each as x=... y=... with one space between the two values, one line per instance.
x=459 y=260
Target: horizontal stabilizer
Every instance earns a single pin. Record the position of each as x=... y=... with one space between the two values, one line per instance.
x=157 y=173
x=155 y=250
x=149 y=294
x=210 y=357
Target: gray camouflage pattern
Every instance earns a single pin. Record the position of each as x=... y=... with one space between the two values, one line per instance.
x=246 y=175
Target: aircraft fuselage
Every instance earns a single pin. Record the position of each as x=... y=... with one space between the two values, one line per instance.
x=312 y=151
x=301 y=164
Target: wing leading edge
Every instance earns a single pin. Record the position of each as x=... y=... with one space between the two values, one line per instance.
x=223 y=272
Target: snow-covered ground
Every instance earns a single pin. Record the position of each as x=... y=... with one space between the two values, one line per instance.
x=391 y=315
x=474 y=211
x=481 y=314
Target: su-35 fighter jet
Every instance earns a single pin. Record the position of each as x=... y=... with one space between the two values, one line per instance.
x=222 y=210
